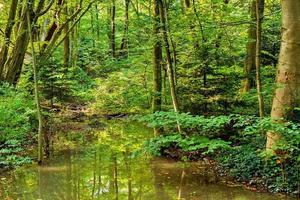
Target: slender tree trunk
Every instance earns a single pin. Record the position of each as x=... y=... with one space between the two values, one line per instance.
x=36 y=92
x=113 y=28
x=66 y=40
x=259 y=16
x=170 y=69
x=124 y=42
x=173 y=45
x=287 y=94
x=249 y=65
x=157 y=60
x=8 y=31
x=97 y=21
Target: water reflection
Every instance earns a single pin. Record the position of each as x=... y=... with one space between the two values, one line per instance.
x=110 y=169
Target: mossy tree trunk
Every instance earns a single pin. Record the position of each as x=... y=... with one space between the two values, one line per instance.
x=249 y=64
x=67 y=39
x=7 y=35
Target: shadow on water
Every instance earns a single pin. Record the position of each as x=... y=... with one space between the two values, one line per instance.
x=112 y=167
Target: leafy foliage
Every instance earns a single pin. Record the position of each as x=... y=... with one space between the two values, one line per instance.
x=237 y=142
x=17 y=121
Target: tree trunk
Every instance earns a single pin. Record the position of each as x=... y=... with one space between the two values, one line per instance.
x=249 y=65
x=170 y=69
x=36 y=92
x=259 y=16
x=157 y=60
x=8 y=31
x=287 y=94
x=13 y=66
x=124 y=42
x=66 y=41
x=113 y=28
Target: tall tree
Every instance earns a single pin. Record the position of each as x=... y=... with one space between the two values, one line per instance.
x=16 y=58
x=287 y=94
x=249 y=64
x=157 y=60
x=67 y=39
x=7 y=34
x=15 y=61
x=112 y=36
x=36 y=92
x=259 y=17
x=170 y=68
x=124 y=42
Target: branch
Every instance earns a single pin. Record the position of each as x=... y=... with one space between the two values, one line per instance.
x=2 y=33
x=40 y=6
x=73 y=26
x=51 y=47
x=42 y=12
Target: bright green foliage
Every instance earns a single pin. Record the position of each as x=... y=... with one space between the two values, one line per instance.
x=17 y=121
x=123 y=96
x=213 y=126
x=16 y=114
x=237 y=142
x=188 y=144
x=56 y=85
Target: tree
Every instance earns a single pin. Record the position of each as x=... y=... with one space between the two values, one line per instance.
x=259 y=16
x=67 y=39
x=157 y=60
x=170 y=68
x=287 y=94
x=112 y=35
x=36 y=93
x=249 y=64
x=8 y=30
x=124 y=42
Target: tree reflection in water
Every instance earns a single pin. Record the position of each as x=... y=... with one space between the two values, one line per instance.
x=112 y=165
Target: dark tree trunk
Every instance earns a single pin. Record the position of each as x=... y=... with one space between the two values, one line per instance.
x=124 y=42
x=113 y=28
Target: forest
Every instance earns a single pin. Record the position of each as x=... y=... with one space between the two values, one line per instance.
x=150 y=99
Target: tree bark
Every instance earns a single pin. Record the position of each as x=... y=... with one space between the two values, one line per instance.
x=66 y=40
x=170 y=69
x=249 y=65
x=113 y=28
x=14 y=64
x=259 y=17
x=287 y=94
x=124 y=42
x=36 y=92
x=157 y=60
x=15 y=60
x=7 y=32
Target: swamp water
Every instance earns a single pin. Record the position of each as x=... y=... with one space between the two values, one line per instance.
x=109 y=166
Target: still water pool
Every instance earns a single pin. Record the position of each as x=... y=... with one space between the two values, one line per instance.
x=111 y=165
